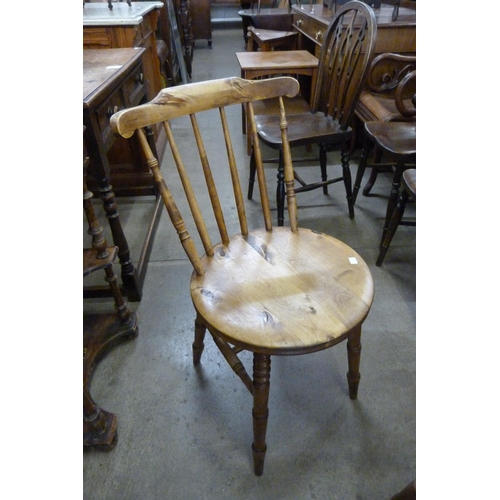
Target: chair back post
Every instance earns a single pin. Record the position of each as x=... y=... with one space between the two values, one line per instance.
x=345 y=57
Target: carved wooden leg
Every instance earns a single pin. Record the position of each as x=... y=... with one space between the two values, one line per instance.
x=199 y=337
x=261 y=377
x=346 y=172
x=128 y=272
x=280 y=191
x=353 y=359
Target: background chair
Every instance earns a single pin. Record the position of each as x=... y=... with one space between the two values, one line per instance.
x=391 y=83
x=409 y=191
x=346 y=52
x=270 y=291
x=397 y=139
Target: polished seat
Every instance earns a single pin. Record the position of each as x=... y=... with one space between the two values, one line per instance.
x=268 y=290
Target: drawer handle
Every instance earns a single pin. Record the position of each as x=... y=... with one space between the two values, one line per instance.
x=319 y=35
x=140 y=78
x=110 y=112
x=299 y=22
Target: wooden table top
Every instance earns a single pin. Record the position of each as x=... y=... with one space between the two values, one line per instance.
x=103 y=67
x=286 y=59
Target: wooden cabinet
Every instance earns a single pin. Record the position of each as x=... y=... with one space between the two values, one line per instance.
x=201 y=20
x=113 y=79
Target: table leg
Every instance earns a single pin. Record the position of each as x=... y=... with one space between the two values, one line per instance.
x=128 y=272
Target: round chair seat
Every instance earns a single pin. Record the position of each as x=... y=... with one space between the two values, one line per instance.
x=280 y=292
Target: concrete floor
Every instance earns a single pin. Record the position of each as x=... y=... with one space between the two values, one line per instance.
x=186 y=433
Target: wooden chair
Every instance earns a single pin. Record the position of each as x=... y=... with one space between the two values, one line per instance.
x=397 y=139
x=391 y=83
x=348 y=45
x=269 y=290
x=409 y=191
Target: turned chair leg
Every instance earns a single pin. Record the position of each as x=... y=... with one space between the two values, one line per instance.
x=261 y=377
x=199 y=337
x=353 y=359
x=365 y=152
x=397 y=215
x=393 y=196
x=346 y=173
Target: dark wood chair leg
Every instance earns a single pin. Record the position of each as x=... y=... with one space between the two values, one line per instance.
x=353 y=359
x=199 y=337
x=397 y=215
x=393 y=197
x=365 y=151
x=261 y=378
x=346 y=173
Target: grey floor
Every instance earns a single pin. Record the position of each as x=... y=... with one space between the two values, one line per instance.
x=186 y=433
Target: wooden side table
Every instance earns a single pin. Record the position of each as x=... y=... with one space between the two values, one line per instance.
x=294 y=62
x=112 y=80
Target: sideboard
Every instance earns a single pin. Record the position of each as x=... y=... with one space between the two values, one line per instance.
x=400 y=36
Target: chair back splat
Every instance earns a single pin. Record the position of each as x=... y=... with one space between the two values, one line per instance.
x=261 y=288
x=346 y=53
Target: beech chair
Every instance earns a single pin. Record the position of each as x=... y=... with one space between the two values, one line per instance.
x=269 y=290
x=391 y=86
x=409 y=191
x=348 y=45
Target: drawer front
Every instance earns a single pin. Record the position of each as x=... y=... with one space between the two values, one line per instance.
x=111 y=105
x=96 y=38
x=309 y=28
x=134 y=88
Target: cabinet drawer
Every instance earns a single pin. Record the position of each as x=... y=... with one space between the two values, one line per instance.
x=134 y=88
x=309 y=28
x=111 y=105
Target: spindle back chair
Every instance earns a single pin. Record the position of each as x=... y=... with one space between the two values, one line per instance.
x=270 y=290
